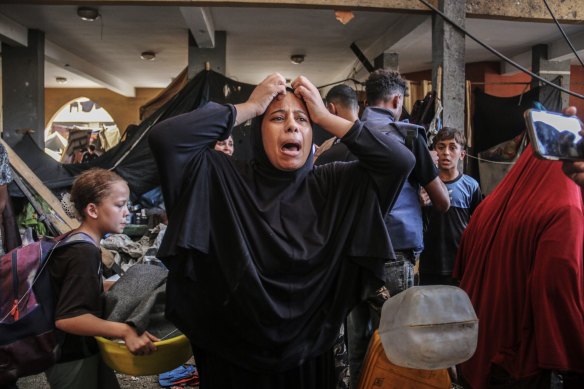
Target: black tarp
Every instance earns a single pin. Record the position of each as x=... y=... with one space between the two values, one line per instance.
x=132 y=158
x=498 y=119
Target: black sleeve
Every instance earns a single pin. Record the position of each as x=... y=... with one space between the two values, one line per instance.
x=425 y=171
x=76 y=272
x=337 y=152
x=383 y=157
x=178 y=141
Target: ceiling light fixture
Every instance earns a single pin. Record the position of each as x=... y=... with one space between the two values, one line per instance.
x=297 y=58
x=148 y=55
x=61 y=80
x=89 y=14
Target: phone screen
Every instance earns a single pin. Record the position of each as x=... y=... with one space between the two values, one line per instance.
x=554 y=136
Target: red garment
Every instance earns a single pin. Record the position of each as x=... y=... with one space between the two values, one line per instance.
x=520 y=261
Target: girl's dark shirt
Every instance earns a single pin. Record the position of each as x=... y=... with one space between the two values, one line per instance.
x=76 y=275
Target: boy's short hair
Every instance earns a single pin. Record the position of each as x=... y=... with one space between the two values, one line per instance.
x=382 y=84
x=344 y=95
x=447 y=133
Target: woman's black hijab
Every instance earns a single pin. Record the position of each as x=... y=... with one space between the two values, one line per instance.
x=265 y=264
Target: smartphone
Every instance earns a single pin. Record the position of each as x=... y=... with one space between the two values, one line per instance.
x=554 y=136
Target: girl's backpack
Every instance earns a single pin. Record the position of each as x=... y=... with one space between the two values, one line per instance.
x=29 y=341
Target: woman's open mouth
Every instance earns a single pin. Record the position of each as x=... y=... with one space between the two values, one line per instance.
x=291 y=149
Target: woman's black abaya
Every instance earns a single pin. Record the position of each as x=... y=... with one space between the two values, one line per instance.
x=265 y=264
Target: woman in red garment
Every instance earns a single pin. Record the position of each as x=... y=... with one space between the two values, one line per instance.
x=520 y=261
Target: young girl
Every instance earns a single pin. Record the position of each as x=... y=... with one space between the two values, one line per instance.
x=100 y=198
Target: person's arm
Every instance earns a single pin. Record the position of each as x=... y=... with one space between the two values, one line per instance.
x=90 y=325
x=438 y=194
x=426 y=174
x=75 y=272
x=178 y=142
x=387 y=161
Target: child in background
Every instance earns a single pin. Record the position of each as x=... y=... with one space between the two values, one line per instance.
x=100 y=198
x=443 y=230
x=225 y=146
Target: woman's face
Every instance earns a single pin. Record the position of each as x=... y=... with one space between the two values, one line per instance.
x=112 y=210
x=287 y=133
x=225 y=146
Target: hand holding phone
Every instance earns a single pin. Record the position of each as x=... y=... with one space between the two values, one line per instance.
x=554 y=136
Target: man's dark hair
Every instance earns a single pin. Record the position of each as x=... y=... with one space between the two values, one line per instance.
x=344 y=95
x=91 y=148
x=383 y=84
x=447 y=133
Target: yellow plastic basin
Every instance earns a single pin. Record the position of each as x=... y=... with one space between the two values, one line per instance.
x=169 y=354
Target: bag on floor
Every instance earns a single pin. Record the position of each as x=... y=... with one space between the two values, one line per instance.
x=28 y=337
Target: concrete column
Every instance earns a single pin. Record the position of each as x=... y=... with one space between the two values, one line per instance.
x=387 y=61
x=550 y=70
x=215 y=57
x=23 y=89
x=448 y=54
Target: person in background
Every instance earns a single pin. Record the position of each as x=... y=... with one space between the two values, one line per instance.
x=443 y=230
x=362 y=320
x=100 y=198
x=225 y=146
x=90 y=154
x=520 y=261
x=341 y=101
x=385 y=92
x=272 y=253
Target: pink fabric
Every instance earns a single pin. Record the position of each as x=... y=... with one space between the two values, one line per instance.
x=520 y=261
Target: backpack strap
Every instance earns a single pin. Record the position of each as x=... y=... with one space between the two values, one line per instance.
x=408 y=131
x=78 y=236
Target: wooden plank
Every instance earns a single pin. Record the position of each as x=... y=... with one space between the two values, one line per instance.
x=33 y=181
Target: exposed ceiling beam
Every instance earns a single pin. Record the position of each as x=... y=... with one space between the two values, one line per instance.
x=200 y=22
x=558 y=50
x=523 y=59
x=12 y=33
x=76 y=64
x=393 y=35
x=525 y=10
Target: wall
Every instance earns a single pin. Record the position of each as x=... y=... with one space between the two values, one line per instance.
x=577 y=85
x=124 y=110
x=506 y=85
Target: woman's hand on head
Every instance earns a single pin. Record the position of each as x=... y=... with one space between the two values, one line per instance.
x=140 y=344
x=270 y=88
x=307 y=92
